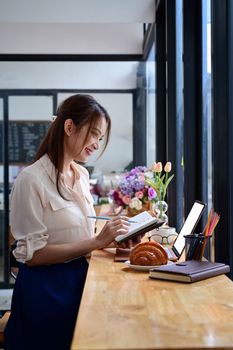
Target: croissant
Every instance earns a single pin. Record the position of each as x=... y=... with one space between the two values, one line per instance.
x=148 y=254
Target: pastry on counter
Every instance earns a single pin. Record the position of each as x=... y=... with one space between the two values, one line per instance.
x=148 y=254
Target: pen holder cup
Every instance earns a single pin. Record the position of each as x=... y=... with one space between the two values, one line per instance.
x=195 y=246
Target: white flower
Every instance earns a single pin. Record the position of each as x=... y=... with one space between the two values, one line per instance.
x=149 y=174
x=135 y=203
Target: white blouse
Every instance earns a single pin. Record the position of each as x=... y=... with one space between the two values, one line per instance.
x=40 y=216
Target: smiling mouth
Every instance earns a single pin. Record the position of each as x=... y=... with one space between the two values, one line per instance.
x=89 y=151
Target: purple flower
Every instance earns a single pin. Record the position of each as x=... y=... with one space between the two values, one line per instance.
x=133 y=182
x=151 y=193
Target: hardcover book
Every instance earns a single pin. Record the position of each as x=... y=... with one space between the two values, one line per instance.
x=189 y=271
x=141 y=223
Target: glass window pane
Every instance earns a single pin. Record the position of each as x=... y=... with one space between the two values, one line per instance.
x=150 y=107
x=180 y=114
x=2 y=207
x=29 y=119
x=206 y=97
x=30 y=107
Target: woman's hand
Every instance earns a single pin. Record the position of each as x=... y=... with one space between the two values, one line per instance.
x=116 y=226
x=130 y=243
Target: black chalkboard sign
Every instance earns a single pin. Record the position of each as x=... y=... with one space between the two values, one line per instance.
x=24 y=138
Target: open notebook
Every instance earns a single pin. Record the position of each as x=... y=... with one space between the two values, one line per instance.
x=188 y=228
x=142 y=223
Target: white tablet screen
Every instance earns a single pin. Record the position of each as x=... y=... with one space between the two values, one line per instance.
x=189 y=225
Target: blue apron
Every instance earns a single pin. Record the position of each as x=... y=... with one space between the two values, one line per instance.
x=44 y=307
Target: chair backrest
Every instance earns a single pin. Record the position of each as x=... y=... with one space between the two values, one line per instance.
x=14 y=266
x=3 y=323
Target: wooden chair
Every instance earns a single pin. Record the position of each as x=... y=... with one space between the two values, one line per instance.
x=6 y=315
x=3 y=323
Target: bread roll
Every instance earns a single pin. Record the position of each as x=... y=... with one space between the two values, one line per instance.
x=148 y=254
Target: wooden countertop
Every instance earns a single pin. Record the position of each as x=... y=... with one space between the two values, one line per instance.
x=124 y=309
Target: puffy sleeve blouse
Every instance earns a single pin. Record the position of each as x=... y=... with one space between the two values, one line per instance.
x=40 y=216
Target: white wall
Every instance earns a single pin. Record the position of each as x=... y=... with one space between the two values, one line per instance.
x=74 y=26
x=71 y=38
x=78 y=11
x=68 y=75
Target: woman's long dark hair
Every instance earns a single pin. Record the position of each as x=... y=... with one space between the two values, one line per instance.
x=83 y=110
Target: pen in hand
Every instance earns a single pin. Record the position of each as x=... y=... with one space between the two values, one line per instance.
x=107 y=218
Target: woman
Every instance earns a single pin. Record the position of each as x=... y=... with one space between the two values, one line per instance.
x=50 y=205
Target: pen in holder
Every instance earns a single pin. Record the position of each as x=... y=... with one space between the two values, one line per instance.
x=195 y=246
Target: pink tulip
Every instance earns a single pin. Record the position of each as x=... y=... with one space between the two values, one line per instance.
x=158 y=167
x=168 y=167
x=153 y=167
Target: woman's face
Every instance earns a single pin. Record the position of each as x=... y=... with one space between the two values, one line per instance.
x=78 y=145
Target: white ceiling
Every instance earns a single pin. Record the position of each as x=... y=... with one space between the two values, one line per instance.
x=74 y=26
x=77 y=11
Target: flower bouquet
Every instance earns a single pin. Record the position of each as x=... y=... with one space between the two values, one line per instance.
x=141 y=188
x=133 y=193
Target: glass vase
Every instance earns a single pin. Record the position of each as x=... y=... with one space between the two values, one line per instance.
x=160 y=208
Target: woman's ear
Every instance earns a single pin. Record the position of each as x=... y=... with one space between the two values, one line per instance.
x=68 y=126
